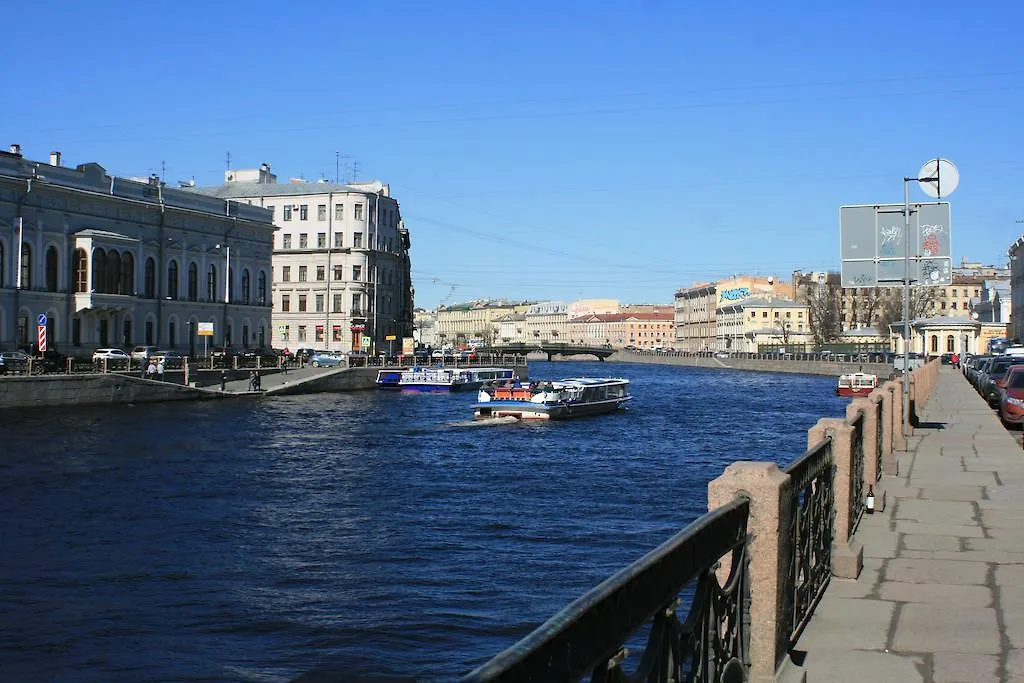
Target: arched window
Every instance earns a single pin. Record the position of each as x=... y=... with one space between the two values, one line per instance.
x=26 y=265
x=99 y=270
x=51 y=269
x=172 y=279
x=193 y=281
x=261 y=289
x=950 y=344
x=113 y=278
x=127 y=274
x=245 y=286
x=149 y=287
x=2 y=271
x=211 y=283
x=80 y=275
x=935 y=343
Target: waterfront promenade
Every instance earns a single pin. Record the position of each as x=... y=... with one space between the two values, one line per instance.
x=941 y=594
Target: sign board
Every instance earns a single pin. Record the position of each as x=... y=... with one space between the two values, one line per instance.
x=408 y=345
x=390 y=337
x=204 y=329
x=872 y=245
x=41 y=336
x=41 y=321
x=366 y=342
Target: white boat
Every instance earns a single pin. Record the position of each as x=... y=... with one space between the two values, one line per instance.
x=556 y=400
x=856 y=384
x=442 y=379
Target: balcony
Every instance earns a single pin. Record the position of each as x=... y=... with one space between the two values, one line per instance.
x=103 y=303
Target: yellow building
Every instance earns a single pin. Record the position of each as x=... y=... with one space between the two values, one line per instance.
x=619 y=330
x=458 y=324
x=746 y=324
x=696 y=308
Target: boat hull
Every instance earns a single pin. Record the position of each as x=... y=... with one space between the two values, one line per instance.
x=850 y=392
x=525 y=410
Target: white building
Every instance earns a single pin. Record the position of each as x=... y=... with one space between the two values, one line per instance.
x=112 y=262
x=341 y=261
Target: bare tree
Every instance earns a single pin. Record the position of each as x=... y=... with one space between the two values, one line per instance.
x=825 y=313
x=922 y=304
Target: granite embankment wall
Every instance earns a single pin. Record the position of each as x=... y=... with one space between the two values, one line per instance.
x=797 y=367
x=50 y=391
x=350 y=379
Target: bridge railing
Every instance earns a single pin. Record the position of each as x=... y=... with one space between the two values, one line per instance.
x=799 y=531
x=703 y=638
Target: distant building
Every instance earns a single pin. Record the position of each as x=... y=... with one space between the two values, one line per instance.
x=112 y=262
x=457 y=324
x=746 y=324
x=547 y=321
x=696 y=307
x=1016 y=254
x=619 y=330
x=342 y=276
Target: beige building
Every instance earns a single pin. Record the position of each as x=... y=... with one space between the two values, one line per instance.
x=619 y=330
x=696 y=307
x=547 y=321
x=111 y=262
x=341 y=260
x=744 y=325
x=475 y=320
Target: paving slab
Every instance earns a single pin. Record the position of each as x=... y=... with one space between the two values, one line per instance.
x=848 y=623
x=856 y=666
x=958 y=667
x=937 y=594
x=931 y=542
x=960 y=531
x=924 y=627
x=936 y=511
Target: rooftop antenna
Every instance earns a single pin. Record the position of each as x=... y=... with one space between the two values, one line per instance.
x=355 y=170
x=227 y=160
x=163 y=170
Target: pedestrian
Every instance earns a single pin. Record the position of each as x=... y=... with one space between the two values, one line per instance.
x=160 y=369
x=258 y=380
x=151 y=369
x=252 y=380
x=283 y=363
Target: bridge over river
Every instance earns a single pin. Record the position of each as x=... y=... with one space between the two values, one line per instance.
x=553 y=349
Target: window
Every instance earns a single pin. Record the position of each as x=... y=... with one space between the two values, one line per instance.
x=81 y=265
x=950 y=344
x=336 y=333
x=356 y=299
x=357 y=240
x=149 y=284
x=193 y=282
x=935 y=344
x=764 y=314
x=211 y=283
x=319 y=333
x=319 y=303
x=304 y=212
x=286 y=273
x=338 y=299
x=357 y=212
x=261 y=289
x=285 y=332
x=321 y=212
x=321 y=240
x=51 y=269
x=286 y=241
x=26 y=265
x=776 y=314
x=338 y=241
x=271 y=209
x=953 y=305
x=789 y=314
x=172 y=279
x=357 y=273
x=245 y=286
x=302 y=303
x=302 y=333
x=287 y=213
x=339 y=212
x=286 y=303
x=303 y=240
x=302 y=273
x=321 y=273
x=339 y=272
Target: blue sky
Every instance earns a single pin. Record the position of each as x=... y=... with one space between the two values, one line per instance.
x=552 y=150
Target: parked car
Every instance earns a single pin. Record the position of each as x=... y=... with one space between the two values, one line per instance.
x=109 y=355
x=990 y=387
x=143 y=352
x=170 y=358
x=326 y=360
x=1011 y=401
x=50 y=361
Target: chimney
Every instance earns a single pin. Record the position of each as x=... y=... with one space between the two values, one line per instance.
x=54 y=158
x=16 y=149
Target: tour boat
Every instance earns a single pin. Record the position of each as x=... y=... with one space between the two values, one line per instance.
x=556 y=400
x=442 y=379
x=856 y=384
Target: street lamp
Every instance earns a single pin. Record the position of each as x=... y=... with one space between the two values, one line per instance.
x=227 y=272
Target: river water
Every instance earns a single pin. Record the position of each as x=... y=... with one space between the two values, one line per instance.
x=359 y=533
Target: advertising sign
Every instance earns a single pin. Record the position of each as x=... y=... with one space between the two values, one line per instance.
x=408 y=346
x=204 y=329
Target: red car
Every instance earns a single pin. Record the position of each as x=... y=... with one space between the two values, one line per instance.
x=1011 y=402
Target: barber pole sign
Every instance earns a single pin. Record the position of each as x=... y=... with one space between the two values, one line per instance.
x=41 y=333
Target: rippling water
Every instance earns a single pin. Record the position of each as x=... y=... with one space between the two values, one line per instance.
x=360 y=533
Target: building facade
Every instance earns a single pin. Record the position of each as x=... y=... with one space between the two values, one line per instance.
x=476 y=320
x=696 y=307
x=341 y=267
x=647 y=330
x=112 y=262
x=745 y=325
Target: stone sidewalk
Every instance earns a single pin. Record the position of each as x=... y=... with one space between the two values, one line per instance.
x=941 y=596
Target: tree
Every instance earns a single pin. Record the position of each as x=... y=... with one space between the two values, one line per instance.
x=826 y=317
x=922 y=305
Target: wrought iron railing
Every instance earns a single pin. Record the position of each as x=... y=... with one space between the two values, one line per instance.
x=588 y=637
x=880 y=410
x=812 y=524
x=857 y=471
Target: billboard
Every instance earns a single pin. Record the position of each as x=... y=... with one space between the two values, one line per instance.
x=873 y=246
x=204 y=329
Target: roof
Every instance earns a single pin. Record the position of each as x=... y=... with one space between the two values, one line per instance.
x=236 y=190
x=620 y=317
